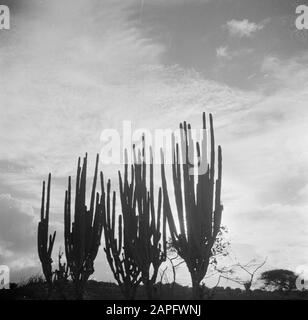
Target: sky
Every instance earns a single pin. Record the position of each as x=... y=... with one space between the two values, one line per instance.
x=70 y=69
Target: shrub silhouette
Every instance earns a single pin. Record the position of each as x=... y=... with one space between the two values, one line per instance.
x=279 y=279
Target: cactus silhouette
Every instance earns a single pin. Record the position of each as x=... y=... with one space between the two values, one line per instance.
x=146 y=233
x=139 y=228
x=45 y=242
x=82 y=237
x=137 y=248
x=118 y=251
x=198 y=206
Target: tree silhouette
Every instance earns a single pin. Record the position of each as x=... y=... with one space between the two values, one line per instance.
x=279 y=279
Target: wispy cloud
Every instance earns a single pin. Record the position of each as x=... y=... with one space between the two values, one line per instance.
x=225 y=52
x=243 y=28
x=222 y=52
x=291 y=73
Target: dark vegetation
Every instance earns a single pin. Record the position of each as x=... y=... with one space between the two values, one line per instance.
x=135 y=240
x=37 y=289
x=279 y=279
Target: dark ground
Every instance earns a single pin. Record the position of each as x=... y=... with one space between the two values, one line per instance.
x=36 y=289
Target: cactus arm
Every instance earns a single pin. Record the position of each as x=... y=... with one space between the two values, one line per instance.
x=166 y=203
x=218 y=206
x=212 y=165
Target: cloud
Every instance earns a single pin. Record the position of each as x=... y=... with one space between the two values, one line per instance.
x=222 y=52
x=92 y=70
x=18 y=236
x=265 y=172
x=243 y=28
x=225 y=52
x=289 y=73
x=17 y=224
x=275 y=227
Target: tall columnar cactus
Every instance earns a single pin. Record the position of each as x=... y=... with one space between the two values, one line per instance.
x=144 y=232
x=82 y=237
x=198 y=205
x=141 y=242
x=118 y=251
x=45 y=242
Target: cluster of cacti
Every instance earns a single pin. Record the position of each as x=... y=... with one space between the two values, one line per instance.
x=82 y=237
x=198 y=206
x=45 y=241
x=141 y=241
x=135 y=240
x=144 y=231
x=118 y=251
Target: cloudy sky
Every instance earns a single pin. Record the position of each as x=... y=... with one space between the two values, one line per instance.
x=70 y=69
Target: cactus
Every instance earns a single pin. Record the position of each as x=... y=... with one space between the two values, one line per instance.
x=199 y=220
x=45 y=242
x=144 y=232
x=61 y=276
x=141 y=240
x=118 y=252
x=82 y=237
